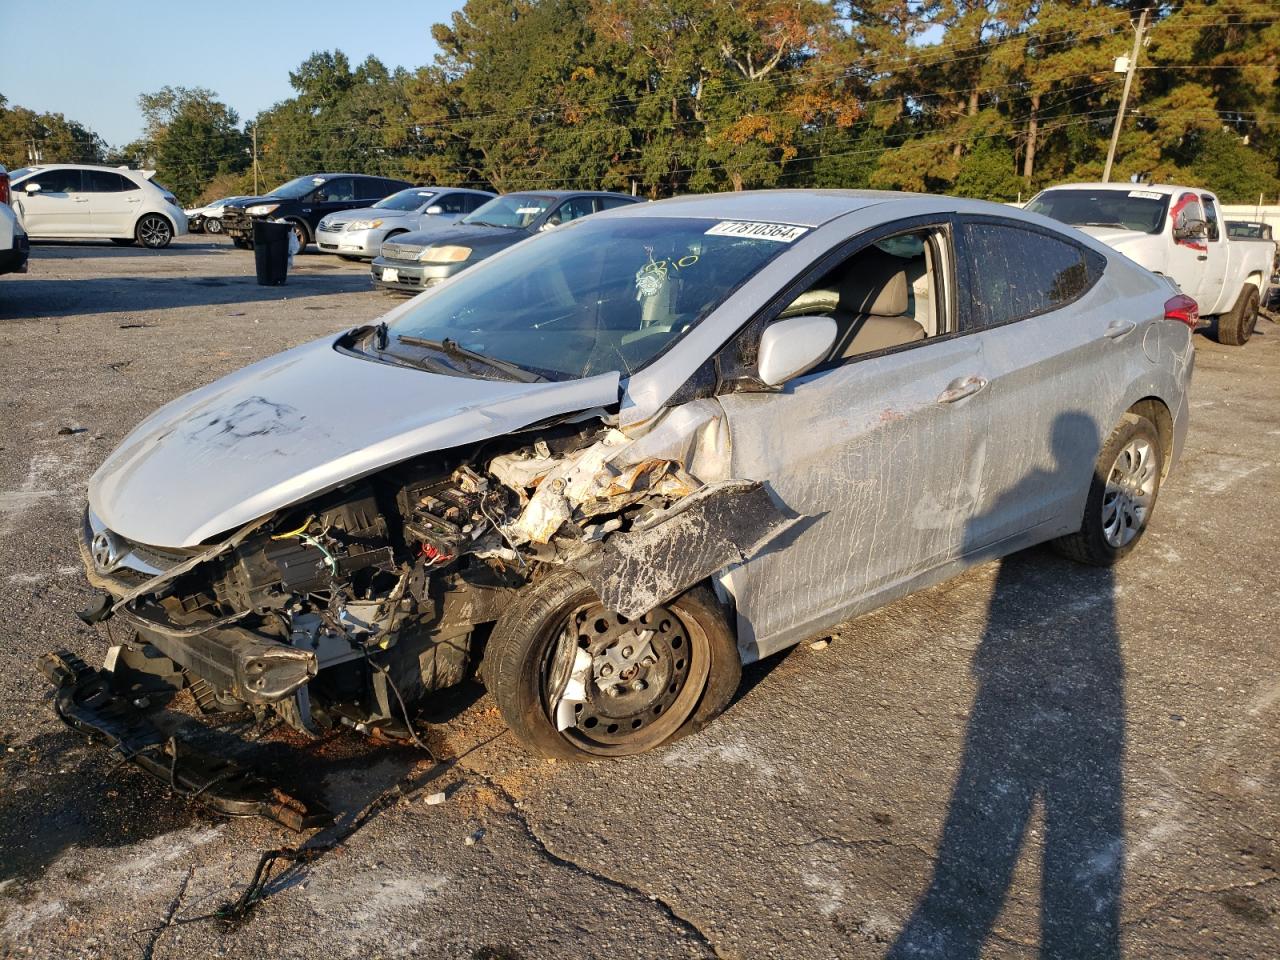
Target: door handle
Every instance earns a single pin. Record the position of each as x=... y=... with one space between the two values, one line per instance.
x=80 y=199
x=1119 y=328
x=1203 y=256
x=962 y=387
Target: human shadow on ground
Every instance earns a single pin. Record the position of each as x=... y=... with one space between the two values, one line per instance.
x=1046 y=731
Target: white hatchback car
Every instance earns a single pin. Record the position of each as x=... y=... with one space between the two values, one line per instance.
x=76 y=201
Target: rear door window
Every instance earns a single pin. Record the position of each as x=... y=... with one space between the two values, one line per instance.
x=453 y=203
x=610 y=203
x=104 y=181
x=1015 y=272
x=368 y=188
x=1211 y=217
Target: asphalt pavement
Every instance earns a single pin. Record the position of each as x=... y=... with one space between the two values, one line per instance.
x=1061 y=756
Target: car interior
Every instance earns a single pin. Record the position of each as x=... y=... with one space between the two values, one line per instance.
x=883 y=296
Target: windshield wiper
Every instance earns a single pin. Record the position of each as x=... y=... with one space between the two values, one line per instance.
x=486 y=223
x=453 y=348
x=1096 y=223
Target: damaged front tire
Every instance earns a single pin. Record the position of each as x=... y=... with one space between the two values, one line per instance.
x=642 y=682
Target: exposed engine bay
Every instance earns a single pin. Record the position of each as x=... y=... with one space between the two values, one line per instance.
x=344 y=610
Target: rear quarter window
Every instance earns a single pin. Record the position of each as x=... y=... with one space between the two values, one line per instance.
x=1017 y=272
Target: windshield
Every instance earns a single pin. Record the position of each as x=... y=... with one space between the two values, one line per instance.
x=405 y=200
x=603 y=295
x=1128 y=209
x=513 y=210
x=21 y=172
x=295 y=189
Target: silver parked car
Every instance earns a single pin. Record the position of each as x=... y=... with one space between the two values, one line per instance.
x=358 y=234
x=619 y=460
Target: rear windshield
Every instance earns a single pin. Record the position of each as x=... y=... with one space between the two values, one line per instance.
x=1122 y=209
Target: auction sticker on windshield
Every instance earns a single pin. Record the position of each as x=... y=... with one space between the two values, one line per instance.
x=781 y=232
x=1145 y=194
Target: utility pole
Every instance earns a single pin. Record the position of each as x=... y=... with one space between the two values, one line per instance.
x=255 y=153
x=1124 y=97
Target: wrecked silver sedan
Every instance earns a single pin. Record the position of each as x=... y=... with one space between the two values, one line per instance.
x=614 y=463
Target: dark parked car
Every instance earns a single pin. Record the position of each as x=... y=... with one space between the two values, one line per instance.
x=415 y=261
x=303 y=202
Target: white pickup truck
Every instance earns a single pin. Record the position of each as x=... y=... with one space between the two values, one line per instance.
x=1177 y=232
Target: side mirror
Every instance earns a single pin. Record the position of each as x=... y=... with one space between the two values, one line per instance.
x=434 y=210
x=31 y=187
x=1188 y=229
x=793 y=346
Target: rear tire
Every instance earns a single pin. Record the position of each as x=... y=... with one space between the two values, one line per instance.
x=1122 y=495
x=1235 y=328
x=683 y=669
x=153 y=231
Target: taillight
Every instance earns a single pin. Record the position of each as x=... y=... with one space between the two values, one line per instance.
x=1183 y=308
x=4 y=188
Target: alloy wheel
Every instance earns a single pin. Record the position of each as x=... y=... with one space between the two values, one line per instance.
x=1130 y=492
x=154 y=232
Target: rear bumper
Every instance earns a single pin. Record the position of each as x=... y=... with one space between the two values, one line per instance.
x=15 y=260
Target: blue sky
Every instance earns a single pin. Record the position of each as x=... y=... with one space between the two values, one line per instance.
x=89 y=59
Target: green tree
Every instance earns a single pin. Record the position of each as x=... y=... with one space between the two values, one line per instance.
x=191 y=137
x=27 y=136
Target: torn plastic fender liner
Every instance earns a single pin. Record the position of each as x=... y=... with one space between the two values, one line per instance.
x=720 y=524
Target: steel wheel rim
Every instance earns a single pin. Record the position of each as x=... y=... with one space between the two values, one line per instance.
x=154 y=232
x=1130 y=492
x=213 y=225
x=636 y=720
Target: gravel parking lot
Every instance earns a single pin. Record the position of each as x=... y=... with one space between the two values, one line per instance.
x=925 y=771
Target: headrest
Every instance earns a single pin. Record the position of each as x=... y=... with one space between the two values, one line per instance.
x=874 y=283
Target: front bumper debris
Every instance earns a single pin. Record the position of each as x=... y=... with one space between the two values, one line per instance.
x=86 y=701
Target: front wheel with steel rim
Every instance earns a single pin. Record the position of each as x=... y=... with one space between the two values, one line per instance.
x=153 y=231
x=213 y=225
x=578 y=681
x=1122 y=494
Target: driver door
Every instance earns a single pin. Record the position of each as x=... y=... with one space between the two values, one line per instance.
x=1187 y=259
x=879 y=451
x=60 y=208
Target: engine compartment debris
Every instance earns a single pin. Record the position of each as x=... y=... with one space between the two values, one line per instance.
x=345 y=609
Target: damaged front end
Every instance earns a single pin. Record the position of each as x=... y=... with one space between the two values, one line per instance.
x=346 y=609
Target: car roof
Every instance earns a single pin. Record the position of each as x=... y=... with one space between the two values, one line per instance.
x=1165 y=188
x=560 y=194
x=806 y=208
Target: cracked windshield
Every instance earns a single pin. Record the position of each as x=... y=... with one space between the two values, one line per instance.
x=604 y=295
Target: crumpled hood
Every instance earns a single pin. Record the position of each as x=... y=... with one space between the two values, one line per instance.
x=296 y=425
x=1140 y=247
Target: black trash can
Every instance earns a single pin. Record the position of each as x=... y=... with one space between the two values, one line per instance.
x=271 y=251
